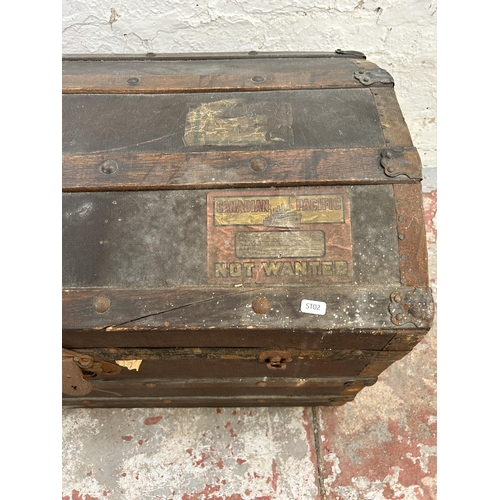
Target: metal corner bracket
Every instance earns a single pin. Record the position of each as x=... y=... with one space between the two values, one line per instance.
x=375 y=75
x=400 y=162
x=412 y=306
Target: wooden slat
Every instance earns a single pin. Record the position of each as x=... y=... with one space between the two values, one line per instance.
x=186 y=56
x=235 y=354
x=411 y=235
x=375 y=368
x=223 y=368
x=224 y=169
x=265 y=339
x=394 y=127
x=201 y=401
x=404 y=341
x=269 y=383
x=256 y=386
x=207 y=316
x=168 y=84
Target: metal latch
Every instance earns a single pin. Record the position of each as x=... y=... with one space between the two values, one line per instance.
x=74 y=381
x=275 y=360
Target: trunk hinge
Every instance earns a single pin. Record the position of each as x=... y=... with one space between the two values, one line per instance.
x=74 y=364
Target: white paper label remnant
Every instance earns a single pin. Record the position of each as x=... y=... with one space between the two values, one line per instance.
x=131 y=364
x=313 y=307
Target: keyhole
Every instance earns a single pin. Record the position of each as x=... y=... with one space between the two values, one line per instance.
x=276 y=362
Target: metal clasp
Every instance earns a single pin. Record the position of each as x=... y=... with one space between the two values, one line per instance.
x=275 y=360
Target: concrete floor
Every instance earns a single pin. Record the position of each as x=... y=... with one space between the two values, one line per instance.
x=381 y=446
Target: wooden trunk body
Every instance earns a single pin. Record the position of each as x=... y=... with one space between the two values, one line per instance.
x=238 y=230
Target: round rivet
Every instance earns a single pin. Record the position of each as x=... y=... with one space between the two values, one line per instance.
x=403 y=257
x=150 y=54
x=260 y=305
x=150 y=385
x=101 y=304
x=388 y=154
x=261 y=384
x=397 y=298
x=399 y=317
x=357 y=353
x=133 y=80
x=361 y=72
x=166 y=323
x=258 y=79
x=109 y=167
x=401 y=236
x=86 y=402
x=401 y=218
x=390 y=170
x=366 y=79
x=253 y=53
x=403 y=281
x=258 y=164
x=166 y=401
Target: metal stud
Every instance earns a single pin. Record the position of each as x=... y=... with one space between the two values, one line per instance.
x=101 y=304
x=258 y=164
x=258 y=79
x=109 y=167
x=260 y=305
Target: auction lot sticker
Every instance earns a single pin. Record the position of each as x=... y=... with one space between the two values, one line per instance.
x=293 y=235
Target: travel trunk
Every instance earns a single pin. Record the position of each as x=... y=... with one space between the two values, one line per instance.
x=238 y=230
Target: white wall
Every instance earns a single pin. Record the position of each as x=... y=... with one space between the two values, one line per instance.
x=398 y=35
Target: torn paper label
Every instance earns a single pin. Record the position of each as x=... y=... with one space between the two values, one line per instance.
x=231 y=122
x=131 y=364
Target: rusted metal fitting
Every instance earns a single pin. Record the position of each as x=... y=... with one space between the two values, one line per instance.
x=415 y=306
x=275 y=360
x=74 y=381
x=401 y=162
